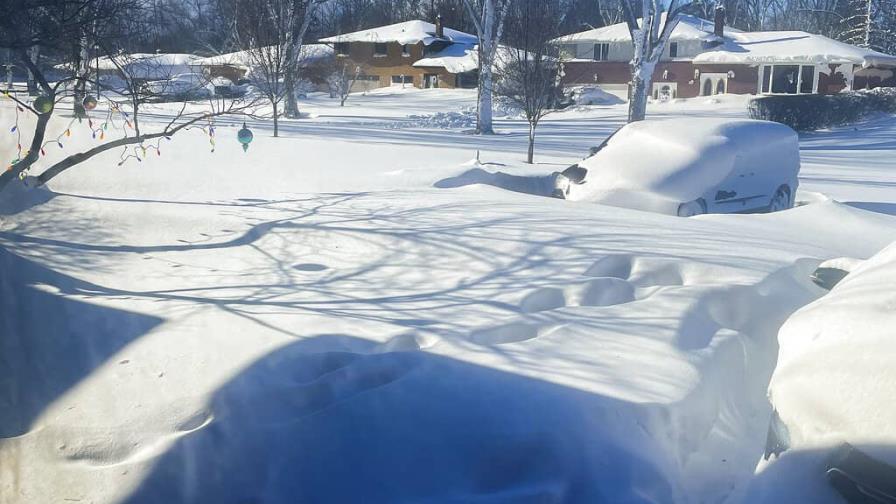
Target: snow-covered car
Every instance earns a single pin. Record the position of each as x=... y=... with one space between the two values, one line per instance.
x=833 y=390
x=222 y=86
x=183 y=86
x=691 y=166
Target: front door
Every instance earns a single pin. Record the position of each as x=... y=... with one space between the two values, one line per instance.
x=430 y=81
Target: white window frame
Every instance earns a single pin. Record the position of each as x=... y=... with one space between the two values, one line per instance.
x=799 y=81
x=603 y=51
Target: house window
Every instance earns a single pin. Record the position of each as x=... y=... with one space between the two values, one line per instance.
x=784 y=79
x=807 y=79
x=402 y=79
x=380 y=49
x=601 y=52
x=341 y=48
x=568 y=51
x=673 y=49
x=406 y=50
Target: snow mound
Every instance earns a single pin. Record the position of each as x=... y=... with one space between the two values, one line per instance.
x=593 y=95
x=439 y=120
x=834 y=381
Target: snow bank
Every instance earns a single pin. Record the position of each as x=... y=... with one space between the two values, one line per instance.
x=834 y=382
x=593 y=95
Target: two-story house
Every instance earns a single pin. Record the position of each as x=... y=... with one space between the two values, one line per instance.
x=417 y=53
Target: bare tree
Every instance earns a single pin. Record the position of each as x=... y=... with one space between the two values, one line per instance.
x=342 y=79
x=529 y=75
x=649 y=35
x=57 y=26
x=488 y=18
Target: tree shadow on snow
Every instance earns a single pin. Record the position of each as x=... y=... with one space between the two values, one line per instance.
x=331 y=419
x=48 y=341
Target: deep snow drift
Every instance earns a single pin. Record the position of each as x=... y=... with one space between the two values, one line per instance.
x=314 y=321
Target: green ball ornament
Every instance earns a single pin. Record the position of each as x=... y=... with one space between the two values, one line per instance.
x=89 y=102
x=245 y=137
x=43 y=104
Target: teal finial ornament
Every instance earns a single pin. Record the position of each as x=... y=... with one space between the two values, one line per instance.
x=245 y=137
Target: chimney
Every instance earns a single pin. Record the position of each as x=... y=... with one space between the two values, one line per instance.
x=440 y=30
x=719 y=30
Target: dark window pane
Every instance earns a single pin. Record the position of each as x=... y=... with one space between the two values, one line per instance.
x=673 y=50
x=784 y=79
x=808 y=76
x=380 y=49
x=341 y=48
x=766 y=75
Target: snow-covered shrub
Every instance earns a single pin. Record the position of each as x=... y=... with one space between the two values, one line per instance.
x=812 y=112
x=592 y=95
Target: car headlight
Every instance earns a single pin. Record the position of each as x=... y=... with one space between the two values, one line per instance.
x=691 y=208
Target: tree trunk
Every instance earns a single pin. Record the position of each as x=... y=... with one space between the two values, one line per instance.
x=642 y=75
x=484 y=112
x=291 y=106
x=530 y=158
x=276 y=125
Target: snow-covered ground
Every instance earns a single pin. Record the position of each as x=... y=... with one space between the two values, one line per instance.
x=314 y=321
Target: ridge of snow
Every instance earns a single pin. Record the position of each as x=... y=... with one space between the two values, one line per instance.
x=688 y=28
x=308 y=54
x=408 y=32
x=791 y=46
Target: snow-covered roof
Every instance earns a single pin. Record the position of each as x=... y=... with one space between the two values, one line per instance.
x=408 y=32
x=456 y=58
x=459 y=58
x=310 y=53
x=791 y=46
x=147 y=65
x=688 y=28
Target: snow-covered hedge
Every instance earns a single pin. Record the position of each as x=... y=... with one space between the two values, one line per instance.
x=812 y=112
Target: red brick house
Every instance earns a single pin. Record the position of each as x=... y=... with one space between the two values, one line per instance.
x=706 y=58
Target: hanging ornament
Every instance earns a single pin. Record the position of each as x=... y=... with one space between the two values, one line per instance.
x=89 y=102
x=80 y=112
x=245 y=137
x=43 y=104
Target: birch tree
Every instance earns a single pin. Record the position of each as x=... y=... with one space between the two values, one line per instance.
x=649 y=37
x=488 y=18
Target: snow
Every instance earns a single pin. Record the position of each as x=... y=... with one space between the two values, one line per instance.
x=689 y=158
x=310 y=53
x=314 y=321
x=688 y=28
x=148 y=66
x=791 y=47
x=456 y=58
x=833 y=381
x=408 y=32
x=592 y=95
